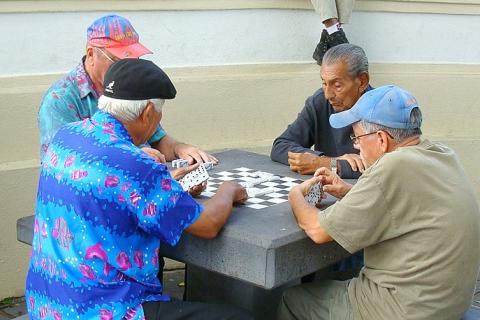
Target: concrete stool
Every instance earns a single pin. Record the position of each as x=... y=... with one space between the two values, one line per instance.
x=472 y=314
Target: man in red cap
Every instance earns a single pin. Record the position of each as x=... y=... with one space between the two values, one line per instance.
x=75 y=97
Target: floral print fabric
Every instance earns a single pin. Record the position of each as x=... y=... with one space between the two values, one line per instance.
x=103 y=207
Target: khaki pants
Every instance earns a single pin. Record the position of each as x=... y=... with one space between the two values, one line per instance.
x=323 y=300
x=328 y=9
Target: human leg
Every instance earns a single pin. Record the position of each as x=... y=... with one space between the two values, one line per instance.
x=324 y=300
x=344 y=10
x=332 y=13
x=327 y=9
x=182 y=310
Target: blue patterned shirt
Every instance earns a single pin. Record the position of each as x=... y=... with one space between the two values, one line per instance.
x=103 y=208
x=72 y=98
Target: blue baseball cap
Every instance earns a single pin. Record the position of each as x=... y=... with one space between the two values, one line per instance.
x=389 y=106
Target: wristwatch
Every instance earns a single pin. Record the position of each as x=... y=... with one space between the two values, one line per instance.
x=333 y=164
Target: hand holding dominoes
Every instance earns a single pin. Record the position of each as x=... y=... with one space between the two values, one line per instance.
x=315 y=195
x=180 y=163
x=194 y=178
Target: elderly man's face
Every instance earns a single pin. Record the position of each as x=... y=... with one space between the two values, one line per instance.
x=341 y=90
x=98 y=61
x=369 y=145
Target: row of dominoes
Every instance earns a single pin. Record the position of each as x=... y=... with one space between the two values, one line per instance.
x=260 y=177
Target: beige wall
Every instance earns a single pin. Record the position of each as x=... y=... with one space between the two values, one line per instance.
x=426 y=6
x=220 y=107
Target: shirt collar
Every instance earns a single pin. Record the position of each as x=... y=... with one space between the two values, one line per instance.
x=111 y=126
x=83 y=81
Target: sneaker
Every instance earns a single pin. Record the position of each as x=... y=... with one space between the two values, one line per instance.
x=321 y=48
x=336 y=38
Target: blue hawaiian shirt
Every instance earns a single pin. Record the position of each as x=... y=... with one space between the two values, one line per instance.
x=103 y=208
x=72 y=98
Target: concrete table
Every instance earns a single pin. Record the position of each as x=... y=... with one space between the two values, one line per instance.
x=256 y=255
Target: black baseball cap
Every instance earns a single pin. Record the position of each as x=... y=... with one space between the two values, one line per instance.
x=137 y=79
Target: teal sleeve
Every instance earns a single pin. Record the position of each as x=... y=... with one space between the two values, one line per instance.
x=157 y=135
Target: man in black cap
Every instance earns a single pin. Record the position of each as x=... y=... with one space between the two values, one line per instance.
x=106 y=207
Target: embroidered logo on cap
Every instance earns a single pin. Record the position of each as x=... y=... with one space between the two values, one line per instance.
x=109 y=88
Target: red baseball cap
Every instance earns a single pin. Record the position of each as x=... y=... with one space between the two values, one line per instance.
x=117 y=35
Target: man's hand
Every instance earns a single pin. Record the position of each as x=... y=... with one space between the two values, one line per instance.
x=332 y=183
x=193 y=154
x=305 y=187
x=179 y=173
x=198 y=189
x=304 y=163
x=238 y=192
x=355 y=161
x=155 y=154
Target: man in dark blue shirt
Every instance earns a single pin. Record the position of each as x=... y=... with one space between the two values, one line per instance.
x=345 y=78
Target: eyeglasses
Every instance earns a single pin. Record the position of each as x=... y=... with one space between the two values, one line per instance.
x=356 y=139
x=112 y=60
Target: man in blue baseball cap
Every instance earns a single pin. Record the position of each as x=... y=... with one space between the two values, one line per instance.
x=413 y=211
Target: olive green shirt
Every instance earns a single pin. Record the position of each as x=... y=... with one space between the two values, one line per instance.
x=415 y=214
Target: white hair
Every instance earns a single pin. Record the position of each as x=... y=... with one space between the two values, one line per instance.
x=398 y=134
x=127 y=110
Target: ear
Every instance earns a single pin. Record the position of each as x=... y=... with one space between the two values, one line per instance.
x=364 y=79
x=89 y=55
x=147 y=113
x=386 y=145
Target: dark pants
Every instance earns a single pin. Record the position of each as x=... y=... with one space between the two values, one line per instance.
x=179 y=310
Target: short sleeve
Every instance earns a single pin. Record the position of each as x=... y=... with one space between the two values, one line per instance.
x=54 y=112
x=157 y=135
x=361 y=218
x=164 y=209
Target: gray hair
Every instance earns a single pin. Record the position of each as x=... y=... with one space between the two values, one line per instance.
x=353 y=56
x=127 y=110
x=398 y=134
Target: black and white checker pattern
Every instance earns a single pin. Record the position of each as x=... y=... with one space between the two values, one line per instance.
x=281 y=187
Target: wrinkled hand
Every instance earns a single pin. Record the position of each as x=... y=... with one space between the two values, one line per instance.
x=198 y=189
x=193 y=154
x=305 y=186
x=355 y=161
x=239 y=192
x=332 y=183
x=179 y=173
x=303 y=163
x=155 y=154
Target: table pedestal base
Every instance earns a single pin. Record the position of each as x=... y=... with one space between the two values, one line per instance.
x=207 y=286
